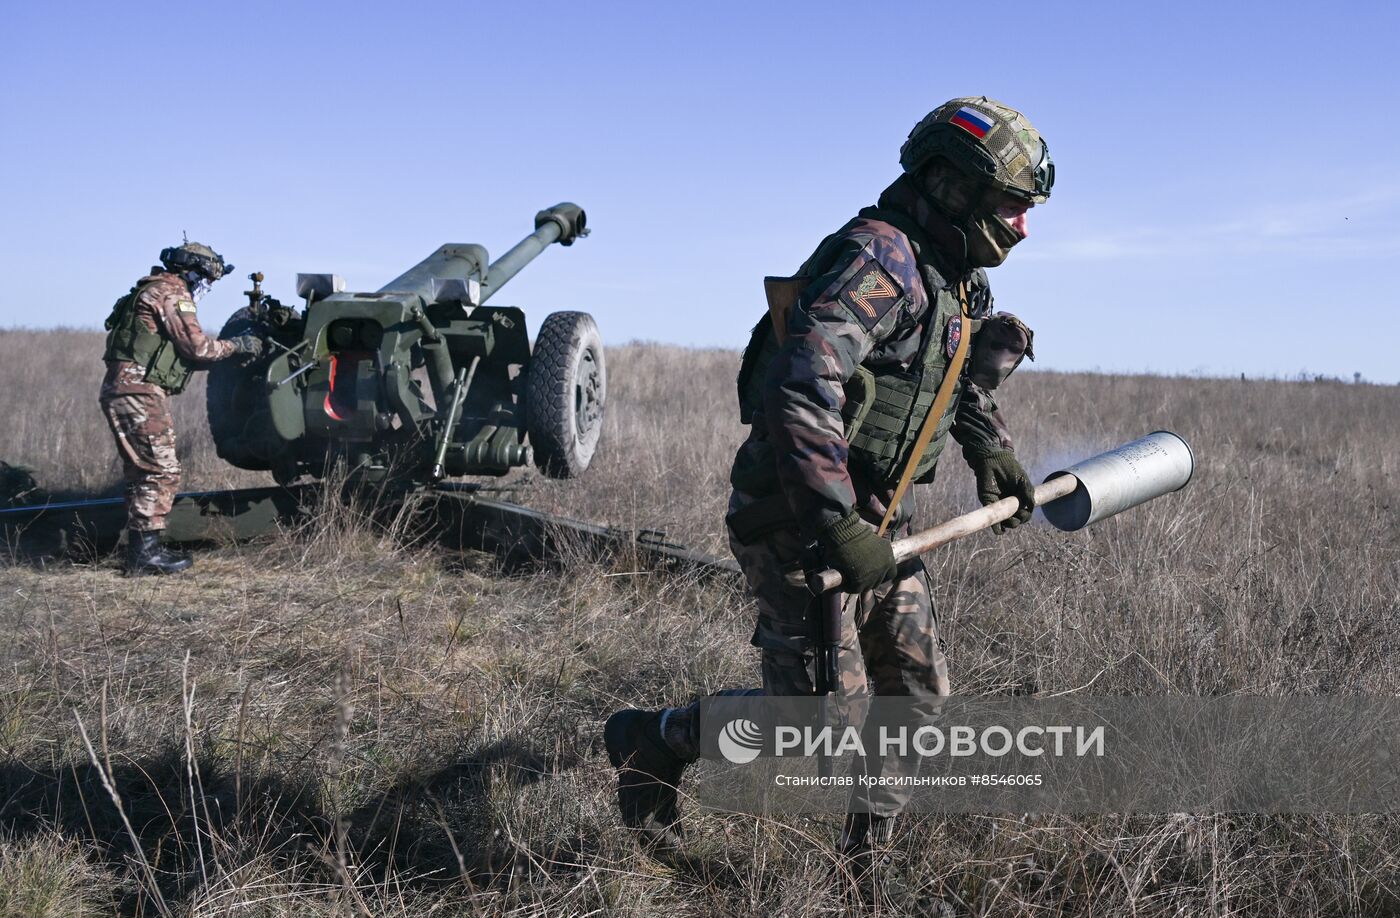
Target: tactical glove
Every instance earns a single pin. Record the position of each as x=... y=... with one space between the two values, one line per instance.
x=864 y=559
x=248 y=344
x=1000 y=475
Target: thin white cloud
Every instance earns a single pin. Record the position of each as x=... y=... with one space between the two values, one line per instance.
x=1357 y=225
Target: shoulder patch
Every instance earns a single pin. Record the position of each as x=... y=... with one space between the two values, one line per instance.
x=185 y=305
x=871 y=293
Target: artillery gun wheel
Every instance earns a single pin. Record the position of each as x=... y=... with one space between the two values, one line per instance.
x=566 y=387
x=236 y=401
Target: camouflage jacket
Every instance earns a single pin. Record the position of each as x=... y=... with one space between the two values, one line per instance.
x=870 y=304
x=165 y=307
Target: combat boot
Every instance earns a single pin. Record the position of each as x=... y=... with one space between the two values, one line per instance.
x=146 y=555
x=648 y=773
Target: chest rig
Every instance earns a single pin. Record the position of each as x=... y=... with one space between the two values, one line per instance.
x=129 y=339
x=886 y=403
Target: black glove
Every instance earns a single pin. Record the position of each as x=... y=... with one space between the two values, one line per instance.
x=864 y=559
x=248 y=344
x=1000 y=475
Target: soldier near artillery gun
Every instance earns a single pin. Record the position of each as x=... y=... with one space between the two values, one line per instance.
x=883 y=345
x=154 y=345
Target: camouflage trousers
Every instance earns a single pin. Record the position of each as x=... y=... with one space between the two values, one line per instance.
x=145 y=435
x=889 y=645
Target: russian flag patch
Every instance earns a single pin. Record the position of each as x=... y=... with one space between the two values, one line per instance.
x=972 y=121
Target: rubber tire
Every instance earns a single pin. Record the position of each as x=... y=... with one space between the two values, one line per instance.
x=234 y=400
x=566 y=389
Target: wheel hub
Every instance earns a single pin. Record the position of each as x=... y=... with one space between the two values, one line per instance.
x=588 y=406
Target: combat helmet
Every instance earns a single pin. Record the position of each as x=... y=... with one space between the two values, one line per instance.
x=196 y=257
x=967 y=157
x=986 y=140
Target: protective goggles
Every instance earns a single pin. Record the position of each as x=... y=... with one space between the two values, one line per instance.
x=212 y=268
x=1044 y=172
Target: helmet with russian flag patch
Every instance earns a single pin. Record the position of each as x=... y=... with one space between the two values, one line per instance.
x=988 y=141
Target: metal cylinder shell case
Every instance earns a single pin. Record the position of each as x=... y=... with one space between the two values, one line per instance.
x=1111 y=482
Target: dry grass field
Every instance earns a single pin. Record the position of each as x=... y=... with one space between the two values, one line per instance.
x=331 y=722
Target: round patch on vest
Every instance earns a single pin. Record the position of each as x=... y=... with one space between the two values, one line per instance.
x=954 y=335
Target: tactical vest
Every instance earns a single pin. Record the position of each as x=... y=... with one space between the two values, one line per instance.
x=129 y=339
x=885 y=406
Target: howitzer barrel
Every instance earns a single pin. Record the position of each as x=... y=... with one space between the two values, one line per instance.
x=562 y=223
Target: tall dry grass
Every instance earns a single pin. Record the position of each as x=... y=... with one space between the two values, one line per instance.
x=336 y=721
x=52 y=422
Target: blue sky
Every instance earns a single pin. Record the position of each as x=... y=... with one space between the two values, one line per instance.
x=1227 y=195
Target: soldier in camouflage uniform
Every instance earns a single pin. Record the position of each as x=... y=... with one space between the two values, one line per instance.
x=836 y=389
x=154 y=344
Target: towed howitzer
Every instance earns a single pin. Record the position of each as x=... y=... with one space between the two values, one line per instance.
x=419 y=380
